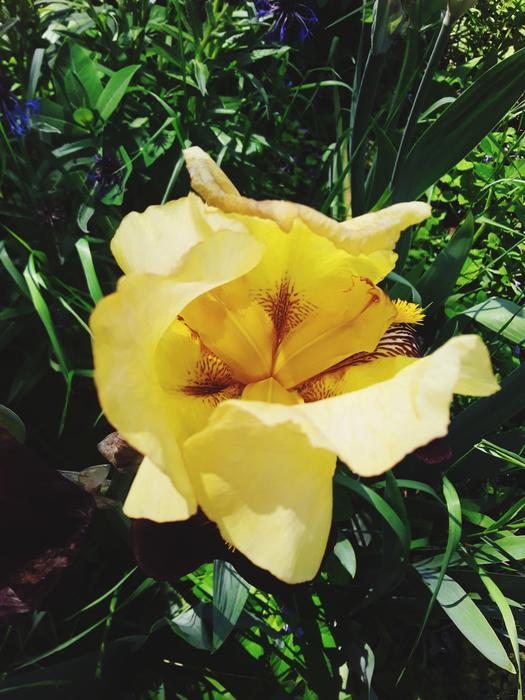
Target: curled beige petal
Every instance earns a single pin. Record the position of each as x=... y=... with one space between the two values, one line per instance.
x=376 y=232
x=266 y=487
x=380 y=230
x=153 y=496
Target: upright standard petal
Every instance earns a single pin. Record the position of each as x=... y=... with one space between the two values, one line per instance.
x=370 y=238
x=266 y=487
x=158 y=239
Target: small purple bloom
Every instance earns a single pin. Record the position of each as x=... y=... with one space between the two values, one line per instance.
x=291 y=19
x=106 y=173
x=16 y=113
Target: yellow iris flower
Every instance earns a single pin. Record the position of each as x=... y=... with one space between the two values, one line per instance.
x=248 y=345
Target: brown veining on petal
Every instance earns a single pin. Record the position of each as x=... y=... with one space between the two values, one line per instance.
x=285 y=306
x=317 y=389
x=400 y=339
x=212 y=380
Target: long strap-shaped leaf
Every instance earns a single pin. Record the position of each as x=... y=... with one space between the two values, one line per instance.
x=462 y=126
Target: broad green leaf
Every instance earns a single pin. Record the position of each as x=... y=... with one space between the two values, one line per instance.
x=230 y=593
x=192 y=626
x=467 y=617
x=461 y=126
x=438 y=282
x=508 y=548
x=501 y=316
x=12 y=423
x=115 y=89
x=83 y=67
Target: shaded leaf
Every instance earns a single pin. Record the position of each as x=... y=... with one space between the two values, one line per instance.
x=461 y=126
x=115 y=89
x=468 y=618
x=501 y=316
x=230 y=593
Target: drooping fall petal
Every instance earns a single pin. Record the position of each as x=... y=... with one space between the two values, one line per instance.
x=267 y=489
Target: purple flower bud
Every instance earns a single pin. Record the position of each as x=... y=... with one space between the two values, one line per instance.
x=290 y=19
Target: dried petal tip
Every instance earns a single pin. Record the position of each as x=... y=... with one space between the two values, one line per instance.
x=118 y=453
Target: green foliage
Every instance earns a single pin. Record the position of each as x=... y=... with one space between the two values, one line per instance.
x=386 y=101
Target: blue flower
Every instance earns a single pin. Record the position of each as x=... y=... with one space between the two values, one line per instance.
x=291 y=19
x=106 y=173
x=16 y=113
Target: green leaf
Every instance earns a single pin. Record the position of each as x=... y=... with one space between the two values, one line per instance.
x=34 y=73
x=230 y=593
x=501 y=601
x=510 y=547
x=115 y=89
x=86 y=260
x=454 y=535
x=83 y=116
x=344 y=551
x=192 y=626
x=485 y=415
x=12 y=423
x=461 y=126
x=379 y=504
x=83 y=68
x=85 y=212
x=501 y=316
x=201 y=73
x=31 y=277
x=467 y=617
x=438 y=282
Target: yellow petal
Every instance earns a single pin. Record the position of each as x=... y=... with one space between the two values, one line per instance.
x=271 y=391
x=330 y=336
x=127 y=328
x=157 y=239
x=370 y=238
x=236 y=328
x=373 y=428
x=153 y=496
x=267 y=489
x=380 y=230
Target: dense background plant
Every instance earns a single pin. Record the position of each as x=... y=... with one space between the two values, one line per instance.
x=97 y=102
